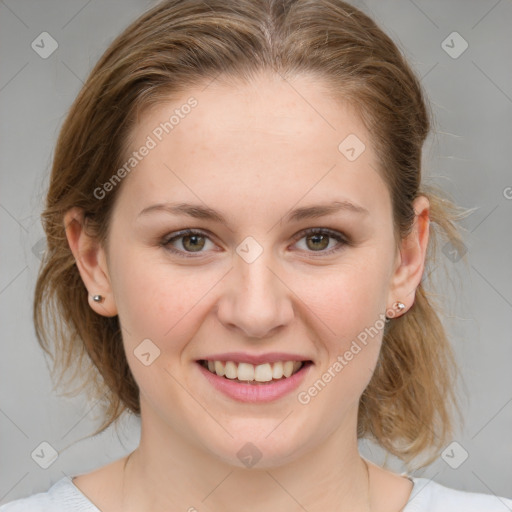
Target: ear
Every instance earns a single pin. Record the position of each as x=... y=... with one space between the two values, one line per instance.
x=411 y=258
x=91 y=262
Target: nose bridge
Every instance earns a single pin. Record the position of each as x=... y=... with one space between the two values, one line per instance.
x=258 y=300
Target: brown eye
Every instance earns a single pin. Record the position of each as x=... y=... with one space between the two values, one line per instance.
x=191 y=242
x=317 y=240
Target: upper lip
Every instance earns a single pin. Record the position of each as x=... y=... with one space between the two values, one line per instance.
x=255 y=359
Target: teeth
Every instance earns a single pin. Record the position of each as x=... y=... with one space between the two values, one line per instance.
x=262 y=373
x=245 y=371
x=287 y=368
x=219 y=369
x=231 y=370
x=249 y=372
x=277 y=371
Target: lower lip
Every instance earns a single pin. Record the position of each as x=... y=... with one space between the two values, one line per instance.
x=261 y=392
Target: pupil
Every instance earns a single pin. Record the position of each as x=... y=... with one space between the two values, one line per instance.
x=194 y=237
x=320 y=236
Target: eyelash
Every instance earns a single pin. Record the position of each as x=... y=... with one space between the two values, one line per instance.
x=311 y=231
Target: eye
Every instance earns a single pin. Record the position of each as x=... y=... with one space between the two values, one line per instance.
x=193 y=241
x=318 y=239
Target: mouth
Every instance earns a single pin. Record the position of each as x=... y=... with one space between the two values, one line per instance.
x=261 y=374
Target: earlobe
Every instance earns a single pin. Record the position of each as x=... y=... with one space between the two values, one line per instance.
x=408 y=274
x=91 y=263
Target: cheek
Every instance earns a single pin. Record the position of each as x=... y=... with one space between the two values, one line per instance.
x=166 y=304
x=346 y=299
x=346 y=309
x=153 y=297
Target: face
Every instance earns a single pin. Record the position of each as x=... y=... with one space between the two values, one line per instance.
x=257 y=286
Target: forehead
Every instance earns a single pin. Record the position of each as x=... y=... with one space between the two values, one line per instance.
x=270 y=139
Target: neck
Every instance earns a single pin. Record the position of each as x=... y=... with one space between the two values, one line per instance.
x=169 y=472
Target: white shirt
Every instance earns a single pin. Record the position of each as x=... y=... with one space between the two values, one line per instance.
x=426 y=496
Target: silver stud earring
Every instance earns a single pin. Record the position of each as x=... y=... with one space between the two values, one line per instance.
x=97 y=298
x=397 y=305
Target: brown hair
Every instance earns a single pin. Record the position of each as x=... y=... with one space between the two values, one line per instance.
x=407 y=405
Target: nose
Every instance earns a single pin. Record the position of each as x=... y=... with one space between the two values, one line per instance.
x=256 y=300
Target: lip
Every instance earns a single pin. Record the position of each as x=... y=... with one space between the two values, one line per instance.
x=243 y=357
x=257 y=392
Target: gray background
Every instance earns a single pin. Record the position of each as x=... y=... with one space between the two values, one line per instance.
x=469 y=155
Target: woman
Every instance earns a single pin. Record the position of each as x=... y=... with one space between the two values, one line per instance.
x=237 y=235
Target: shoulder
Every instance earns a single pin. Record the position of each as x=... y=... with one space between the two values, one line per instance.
x=62 y=495
x=429 y=496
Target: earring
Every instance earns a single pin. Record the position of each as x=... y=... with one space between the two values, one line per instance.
x=97 y=298
x=399 y=306
x=396 y=305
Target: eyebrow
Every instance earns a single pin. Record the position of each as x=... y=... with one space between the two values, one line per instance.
x=198 y=211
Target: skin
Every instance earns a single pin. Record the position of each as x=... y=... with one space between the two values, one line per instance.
x=253 y=152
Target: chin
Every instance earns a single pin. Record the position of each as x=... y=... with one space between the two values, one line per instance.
x=258 y=451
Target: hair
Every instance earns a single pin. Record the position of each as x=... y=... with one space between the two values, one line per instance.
x=408 y=404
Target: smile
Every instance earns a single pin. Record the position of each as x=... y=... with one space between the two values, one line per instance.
x=246 y=372
x=258 y=383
